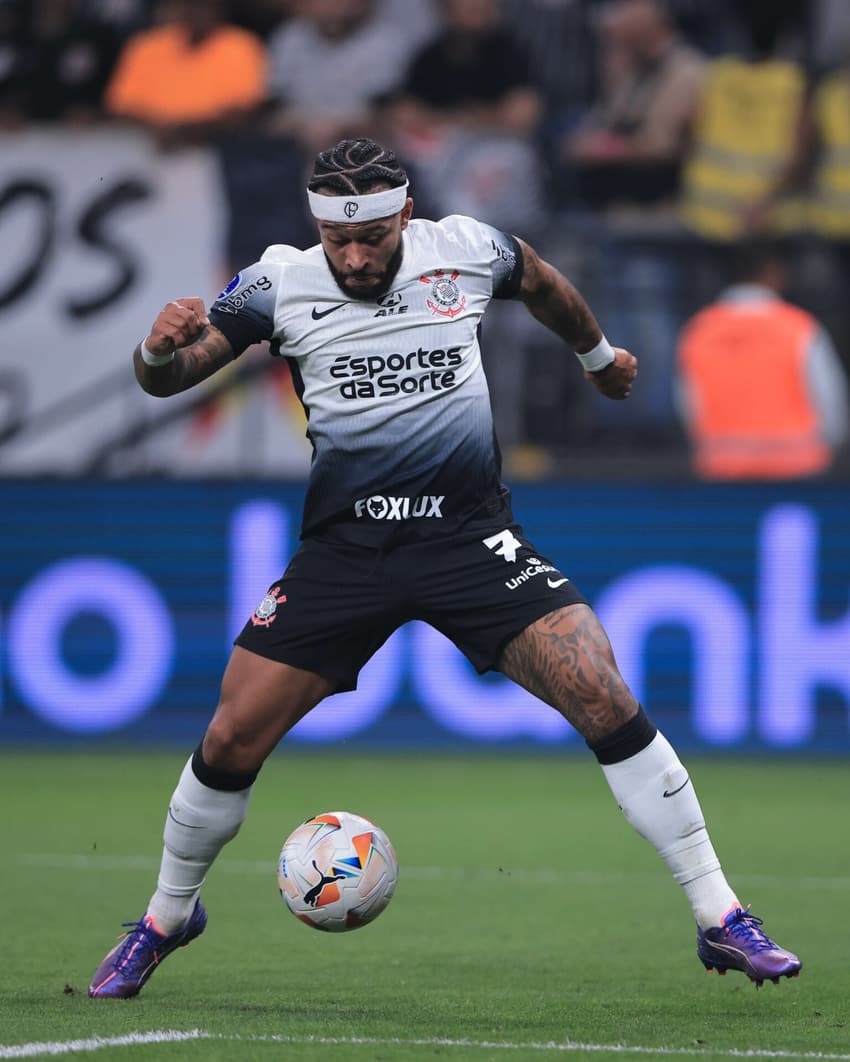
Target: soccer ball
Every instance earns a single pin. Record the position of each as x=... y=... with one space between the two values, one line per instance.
x=337 y=871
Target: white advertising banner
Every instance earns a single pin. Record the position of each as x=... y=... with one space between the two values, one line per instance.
x=98 y=230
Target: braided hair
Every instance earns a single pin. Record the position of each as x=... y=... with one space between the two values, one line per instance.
x=354 y=167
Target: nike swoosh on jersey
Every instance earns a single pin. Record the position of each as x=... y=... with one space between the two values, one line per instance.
x=554 y=583
x=317 y=315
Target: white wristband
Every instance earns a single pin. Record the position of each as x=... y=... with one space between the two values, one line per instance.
x=601 y=356
x=155 y=359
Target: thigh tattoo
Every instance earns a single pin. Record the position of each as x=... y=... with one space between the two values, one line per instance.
x=565 y=659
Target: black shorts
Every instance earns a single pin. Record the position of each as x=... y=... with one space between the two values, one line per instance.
x=337 y=603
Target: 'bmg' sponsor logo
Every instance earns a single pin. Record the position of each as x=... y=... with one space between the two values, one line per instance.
x=232 y=301
x=381 y=507
x=375 y=376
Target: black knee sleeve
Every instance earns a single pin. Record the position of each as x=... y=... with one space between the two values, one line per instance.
x=626 y=741
x=217 y=778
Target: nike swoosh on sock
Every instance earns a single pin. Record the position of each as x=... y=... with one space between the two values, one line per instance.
x=187 y=825
x=675 y=791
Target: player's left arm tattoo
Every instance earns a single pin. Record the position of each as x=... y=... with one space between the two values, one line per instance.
x=556 y=303
x=193 y=363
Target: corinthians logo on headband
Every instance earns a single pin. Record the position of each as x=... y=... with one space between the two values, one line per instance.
x=354 y=209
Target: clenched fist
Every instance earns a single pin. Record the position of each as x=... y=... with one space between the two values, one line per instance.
x=177 y=324
x=615 y=380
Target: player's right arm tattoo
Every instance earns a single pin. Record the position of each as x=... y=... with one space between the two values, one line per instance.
x=192 y=364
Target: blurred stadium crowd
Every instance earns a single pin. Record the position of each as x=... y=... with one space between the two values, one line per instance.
x=638 y=144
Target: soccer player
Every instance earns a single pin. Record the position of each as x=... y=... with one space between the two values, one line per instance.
x=405 y=518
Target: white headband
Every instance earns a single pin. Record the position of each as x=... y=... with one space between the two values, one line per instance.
x=353 y=209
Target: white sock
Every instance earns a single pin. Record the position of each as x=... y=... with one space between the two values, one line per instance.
x=658 y=799
x=199 y=824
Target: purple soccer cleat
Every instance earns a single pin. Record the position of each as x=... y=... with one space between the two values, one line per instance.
x=131 y=962
x=739 y=944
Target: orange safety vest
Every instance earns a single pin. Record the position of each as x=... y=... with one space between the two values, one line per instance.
x=744 y=366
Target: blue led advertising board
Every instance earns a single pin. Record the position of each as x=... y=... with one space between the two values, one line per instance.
x=728 y=608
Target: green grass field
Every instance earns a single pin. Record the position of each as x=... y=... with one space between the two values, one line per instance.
x=529 y=921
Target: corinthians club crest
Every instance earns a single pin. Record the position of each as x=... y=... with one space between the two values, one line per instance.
x=266 y=612
x=446 y=299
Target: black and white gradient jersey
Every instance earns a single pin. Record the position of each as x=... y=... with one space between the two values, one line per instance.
x=396 y=399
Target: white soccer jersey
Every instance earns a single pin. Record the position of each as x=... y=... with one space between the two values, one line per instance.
x=397 y=403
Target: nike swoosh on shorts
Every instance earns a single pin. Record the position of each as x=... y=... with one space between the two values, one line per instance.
x=555 y=583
